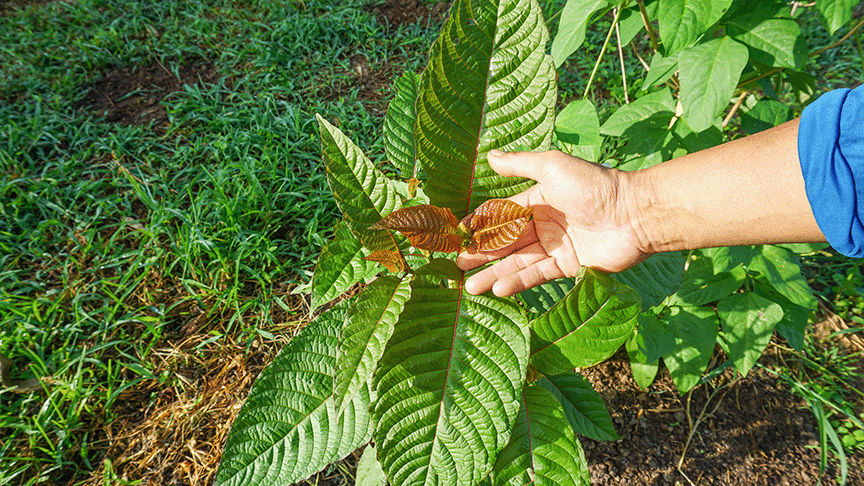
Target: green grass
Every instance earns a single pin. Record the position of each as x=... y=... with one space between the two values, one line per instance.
x=113 y=238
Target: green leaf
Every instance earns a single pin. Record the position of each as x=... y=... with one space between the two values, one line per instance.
x=781 y=268
x=399 y=144
x=748 y=322
x=441 y=267
x=448 y=386
x=583 y=406
x=653 y=111
x=340 y=266
x=362 y=192
x=795 y=318
x=578 y=130
x=543 y=450
x=771 y=42
x=682 y=22
x=694 y=141
x=589 y=325
x=489 y=85
x=541 y=298
x=655 y=278
x=835 y=13
x=709 y=73
x=571 y=28
x=362 y=340
x=369 y=472
x=661 y=69
x=701 y=285
x=630 y=23
x=644 y=370
x=695 y=330
x=765 y=114
x=289 y=427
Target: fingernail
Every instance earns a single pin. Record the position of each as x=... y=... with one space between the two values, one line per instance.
x=496 y=153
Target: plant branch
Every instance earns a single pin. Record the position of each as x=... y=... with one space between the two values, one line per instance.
x=734 y=108
x=603 y=49
x=621 y=58
x=650 y=28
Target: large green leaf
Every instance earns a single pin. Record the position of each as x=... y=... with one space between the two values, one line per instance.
x=541 y=298
x=572 y=26
x=795 y=318
x=340 y=266
x=543 y=450
x=448 y=386
x=589 y=325
x=489 y=84
x=660 y=70
x=655 y=278
x=781 y=268
x=369 y=326
x=766 y=113
x=709 y=73
x=289 y=427
x=835 y=13
x=578 y=130
x=584 y=407
x=399 y=143
x=362 y=192
x=701 y=285
x=772 y=42
x=652 y=111
x=369 y=472
x=644 y=370
x=748 y=322
x=695 y=330
x=682 y=22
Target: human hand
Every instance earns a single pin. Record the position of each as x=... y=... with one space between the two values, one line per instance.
x=580 y=219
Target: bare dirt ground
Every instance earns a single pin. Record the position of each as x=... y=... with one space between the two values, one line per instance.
x=755 y=432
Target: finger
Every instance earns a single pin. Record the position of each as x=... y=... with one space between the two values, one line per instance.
x=485 y=279
x=533 y=275
x=467 y=261
x=533 y=165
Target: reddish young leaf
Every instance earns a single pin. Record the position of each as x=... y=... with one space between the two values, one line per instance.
x=496 y=223
x=392 y=260
x=427 y=227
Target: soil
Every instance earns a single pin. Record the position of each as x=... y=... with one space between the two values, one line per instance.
x=132 y=95
x=402 y=12
x=755 y=432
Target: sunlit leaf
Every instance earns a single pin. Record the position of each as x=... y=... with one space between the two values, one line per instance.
x=289 y=427
x=367 y=329
x=543 y=451
x=586 y=327
x=448 y=386
x=496 y=224
x=489 y=85
x=362 y=192
x=427 y=227
x=399 y=141
x=748 y=322
x=584 y=407
x=340 y=265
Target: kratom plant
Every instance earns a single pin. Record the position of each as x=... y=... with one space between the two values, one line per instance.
x=456 y=389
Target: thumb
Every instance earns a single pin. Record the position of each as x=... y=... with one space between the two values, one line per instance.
x=533 y=165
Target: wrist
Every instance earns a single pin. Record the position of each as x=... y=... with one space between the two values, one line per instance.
x=648 y=212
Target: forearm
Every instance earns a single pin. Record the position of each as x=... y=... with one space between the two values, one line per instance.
x=749 y=191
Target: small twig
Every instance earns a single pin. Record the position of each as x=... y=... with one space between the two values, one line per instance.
x=795 y=6
x=621 y=58
x=648 y=27
x=603 y=50
x=734 y=108
x=694 y=425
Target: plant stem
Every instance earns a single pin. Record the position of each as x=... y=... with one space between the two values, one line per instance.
x=621 y=58
x=648 y=27
x=734 y=108
x=603 y=50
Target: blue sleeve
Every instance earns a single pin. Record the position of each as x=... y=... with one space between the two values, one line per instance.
x=831 y=152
